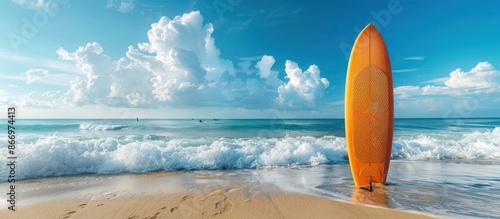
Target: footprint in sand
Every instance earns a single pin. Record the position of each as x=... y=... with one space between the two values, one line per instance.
x=67 y=215
x=174 y=208
x=186 y=197
x=222 y=207
x=82 y=205
x=211 y=205
x=158 y=213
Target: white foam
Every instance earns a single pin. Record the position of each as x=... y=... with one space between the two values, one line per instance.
x=93 y=127
x=57 y=155
x=475 y=145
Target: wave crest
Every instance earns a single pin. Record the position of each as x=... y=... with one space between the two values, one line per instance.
x=93 y=127
x=475 y=145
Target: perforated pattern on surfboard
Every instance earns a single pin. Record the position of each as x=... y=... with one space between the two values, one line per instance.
x=371 y=115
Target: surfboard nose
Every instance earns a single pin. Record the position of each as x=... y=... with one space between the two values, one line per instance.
x=369 y=28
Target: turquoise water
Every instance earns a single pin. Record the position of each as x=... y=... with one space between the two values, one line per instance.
x=459 y=159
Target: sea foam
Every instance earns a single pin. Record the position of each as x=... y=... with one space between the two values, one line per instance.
x=60 y=155
x=475 y=145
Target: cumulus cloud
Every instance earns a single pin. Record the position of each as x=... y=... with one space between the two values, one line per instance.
x=187 y=37
x=303 y=87
x=265 y=65
x=35 y=74
x=181 y=66
x=483 y=76
x=482 y=79
x=107 y=82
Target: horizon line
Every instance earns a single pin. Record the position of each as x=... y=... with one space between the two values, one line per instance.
x=255 y=118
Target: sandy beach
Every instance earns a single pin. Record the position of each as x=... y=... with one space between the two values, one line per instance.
x=208 y=197
x=217 y=204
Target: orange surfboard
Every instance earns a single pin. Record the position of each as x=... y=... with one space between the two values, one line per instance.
x=369 y=109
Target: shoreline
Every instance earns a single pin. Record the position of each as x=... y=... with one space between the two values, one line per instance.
x=193 y=194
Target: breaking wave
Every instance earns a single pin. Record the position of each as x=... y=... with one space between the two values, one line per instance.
x=59 y=155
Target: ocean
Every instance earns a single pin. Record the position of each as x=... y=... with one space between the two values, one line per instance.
x=448 y=167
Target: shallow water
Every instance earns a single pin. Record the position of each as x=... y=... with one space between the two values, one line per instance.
x=456 y=189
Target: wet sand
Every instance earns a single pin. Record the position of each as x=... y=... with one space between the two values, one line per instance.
x=178 y=195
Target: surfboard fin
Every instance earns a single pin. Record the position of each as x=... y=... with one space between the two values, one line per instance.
x=370 y=188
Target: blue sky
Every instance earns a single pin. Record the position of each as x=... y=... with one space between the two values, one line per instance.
x=241 y=58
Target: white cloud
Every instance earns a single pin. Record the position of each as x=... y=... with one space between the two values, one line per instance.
x=482 y=79
x=483 y=76
x=414 y=58
x=180 y=66
x=437 y=81
x=35 y=74
x=185 y=37
x=184 y=54
x=303 y=87
x=33 y=99
x=404 y=70
x=265 y=65
x=106 y=82
x=407 y=91
x=50 y=94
